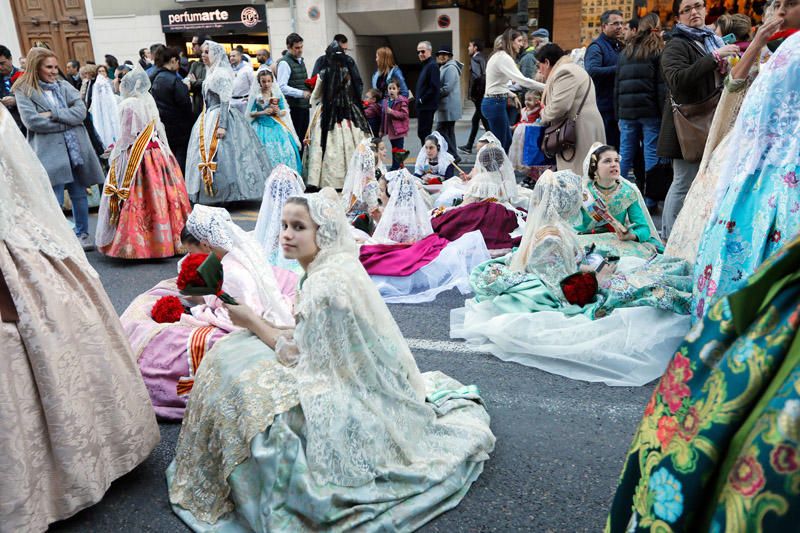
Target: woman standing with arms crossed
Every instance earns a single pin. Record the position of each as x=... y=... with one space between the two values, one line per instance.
x=54 y=114
x=499 y=70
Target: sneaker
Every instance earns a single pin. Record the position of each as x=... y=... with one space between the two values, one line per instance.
x=466 y=149
x=86 y=242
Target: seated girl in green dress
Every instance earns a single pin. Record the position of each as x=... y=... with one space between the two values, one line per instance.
x=329 y=426
x=629 y=231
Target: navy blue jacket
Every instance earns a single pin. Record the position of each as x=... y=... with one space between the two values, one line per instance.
x=600 y=62
x=428 y=86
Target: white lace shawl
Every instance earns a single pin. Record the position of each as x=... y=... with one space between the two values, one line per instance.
x=30 y=217
x=219 y=78
x=282 y=184
x=361 y=392
x=213 y=225
x=444 y=159
x=105 y=115
x=555 y=201
x=255 y=95
x=406 y=218
x=494 y=176
x=360 y=187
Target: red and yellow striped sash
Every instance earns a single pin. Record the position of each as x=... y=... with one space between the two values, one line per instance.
x=119 y=192
x=207 y=166
x=197 y=346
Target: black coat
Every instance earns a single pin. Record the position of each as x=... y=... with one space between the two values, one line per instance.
x=428 y=86
x=639 y=88
x=691 y=77
x=172 y=99
x=355 y=75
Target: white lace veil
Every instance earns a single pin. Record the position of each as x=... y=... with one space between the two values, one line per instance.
x=219 y=78
x=444 y=158
x=255 y=94
x=282 y=184
x=360 y=186
x=361 y=392
x=30 y=217
x=555 y=201
x=494 y=175
x=213 y=225
x=490 y=138
x=639 y=198
x=136 y=111
x=406 y=218
x=105 y=115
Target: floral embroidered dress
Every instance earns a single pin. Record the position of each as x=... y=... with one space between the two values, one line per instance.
x=626 y=205
x=717 y=449
x=353 y=437
x=275 y=133
x=144 y=205
x=759 y=204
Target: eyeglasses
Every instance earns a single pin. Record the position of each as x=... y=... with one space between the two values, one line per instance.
x=420 y=52
x=689 y=9
x=616 y=24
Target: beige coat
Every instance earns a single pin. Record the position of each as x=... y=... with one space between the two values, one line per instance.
x=562 y=96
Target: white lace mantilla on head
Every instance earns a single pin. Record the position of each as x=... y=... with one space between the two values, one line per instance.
x=555 y=201
x=494 y=176
x=444 y=159
x=220 y=73
x=30 y=217
x=360 y=187
x=214 y=226
x=282 y=184
x=361 y=392
x=406 y=218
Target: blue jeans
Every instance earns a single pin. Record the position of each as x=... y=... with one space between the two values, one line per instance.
x=80 y=204
x=496 y=113
x=633 y=132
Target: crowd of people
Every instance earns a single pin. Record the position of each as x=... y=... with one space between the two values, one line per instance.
x=301 y=404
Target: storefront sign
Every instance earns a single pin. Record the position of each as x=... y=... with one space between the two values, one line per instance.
x=227 y=19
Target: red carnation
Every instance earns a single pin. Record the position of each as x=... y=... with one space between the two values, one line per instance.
x=579 y=288
x=167 y=310
x=188 y=274
x=312 y=82
x=434 y=181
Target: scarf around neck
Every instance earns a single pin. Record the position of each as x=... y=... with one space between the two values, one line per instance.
x=71 y=140
x=705 y=36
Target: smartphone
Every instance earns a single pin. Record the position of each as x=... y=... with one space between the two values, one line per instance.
x=729 y=39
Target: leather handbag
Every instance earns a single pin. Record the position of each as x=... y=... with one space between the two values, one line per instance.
x=692 y=124
x=561 y=136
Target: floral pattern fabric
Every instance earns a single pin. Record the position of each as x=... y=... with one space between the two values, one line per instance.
x=152 y=218
x=717 y=447
x=759 y=206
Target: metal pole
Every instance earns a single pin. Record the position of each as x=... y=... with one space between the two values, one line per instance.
x=293 y=15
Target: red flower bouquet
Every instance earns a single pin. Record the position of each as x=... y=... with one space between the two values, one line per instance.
x=202 y=275
x=312 y=82
x=167 y=310
x=434 y=181
x=399 y=156
x=579 y=288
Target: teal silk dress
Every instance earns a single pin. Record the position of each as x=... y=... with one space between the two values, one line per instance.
x=718 y=448
x=625 y=206
x=280 y=145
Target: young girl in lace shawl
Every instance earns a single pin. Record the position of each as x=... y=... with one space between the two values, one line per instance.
x=336 y=406
x=434 y=165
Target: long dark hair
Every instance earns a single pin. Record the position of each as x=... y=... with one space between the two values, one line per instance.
x=647 y=42
x=339 y=101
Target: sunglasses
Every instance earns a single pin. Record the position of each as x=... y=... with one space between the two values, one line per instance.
x=420 y=52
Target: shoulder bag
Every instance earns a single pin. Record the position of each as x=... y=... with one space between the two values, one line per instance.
x=692 y=124
x=561 y=136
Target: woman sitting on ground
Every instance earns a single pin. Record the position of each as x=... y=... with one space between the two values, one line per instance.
x=330 y=425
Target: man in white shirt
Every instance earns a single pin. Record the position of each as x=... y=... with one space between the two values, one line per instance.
x=242 y=82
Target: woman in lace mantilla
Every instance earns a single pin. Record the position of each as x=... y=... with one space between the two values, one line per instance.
x=351 y=435
x=225 y=161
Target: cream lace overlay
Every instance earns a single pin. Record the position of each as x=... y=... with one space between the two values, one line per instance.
x=226 y=410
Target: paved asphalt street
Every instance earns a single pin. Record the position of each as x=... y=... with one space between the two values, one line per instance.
x=560 y=443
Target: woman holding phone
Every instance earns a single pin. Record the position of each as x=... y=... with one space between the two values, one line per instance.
x=270 y=118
